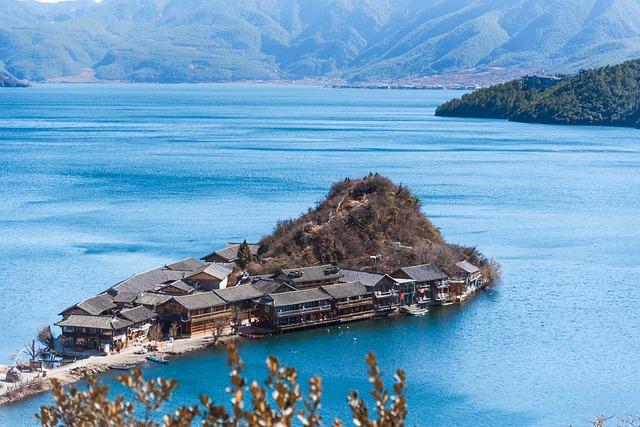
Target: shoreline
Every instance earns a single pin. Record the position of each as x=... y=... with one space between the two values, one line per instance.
x=33 y=384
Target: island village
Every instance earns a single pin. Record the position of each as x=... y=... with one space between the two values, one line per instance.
x=192 y=297
x=190 y=304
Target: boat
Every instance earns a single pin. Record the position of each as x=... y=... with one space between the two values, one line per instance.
x=156 y=359
x=414 y=311
x=142 y=350
x=122 y=367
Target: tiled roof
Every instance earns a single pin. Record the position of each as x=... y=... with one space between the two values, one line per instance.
x=238 y=293
x=187 y=264
x=149 y=280
x=152 y=298
x=218 y=271
x=367 y=278
x=97 y=322
x=199 y=300
x=138 y=314
x=313 y=274
x=299 y=297
x=230 y=252
x=346 y=290
x=95 y=305
x=467 y=266
x=125 y=297
x=424 y=273
x=178 y=284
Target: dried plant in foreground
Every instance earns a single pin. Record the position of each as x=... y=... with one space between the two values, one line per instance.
x=278 y=402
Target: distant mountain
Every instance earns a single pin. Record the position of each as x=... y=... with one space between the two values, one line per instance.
x=605 y=96
x=359 y=40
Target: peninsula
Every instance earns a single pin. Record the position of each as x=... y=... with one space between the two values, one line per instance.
x=605 y=96
x=365 y=251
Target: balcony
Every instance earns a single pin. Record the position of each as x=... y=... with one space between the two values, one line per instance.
x=302 y=311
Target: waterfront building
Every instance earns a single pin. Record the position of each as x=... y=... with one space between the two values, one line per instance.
x=427 y=285
x=82 y=332
x=310 y=277
x=241 y=299
x=465 y=279
x=351 y=301
x=194 y=314
x=288 y=311
x=387 y=295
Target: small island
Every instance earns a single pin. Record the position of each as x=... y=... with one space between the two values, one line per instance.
x=365 y=251
x=606 y=96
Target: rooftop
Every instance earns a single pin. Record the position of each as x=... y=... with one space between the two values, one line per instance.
x=299 y=297
x=313 y=274
x=138 y=314
x=467 y=266
x=230 y=252
x=218 y=271
x=97 y=322
x=95 y=305
x=424 y=273
x=239 y=293
x=199 y=300
x=346 y=290
x=187 y=264
x=367 y=278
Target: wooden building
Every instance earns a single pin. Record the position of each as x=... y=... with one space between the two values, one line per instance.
x=98 y=305
x=287 y=311
x=82 y=332
x=310 y=277
x=386 y=293
x=209 y=276
x=351 y=301
x=87 y=332
x=465 y=280
x=428 y=285
x=195 y=314
x=241 y=299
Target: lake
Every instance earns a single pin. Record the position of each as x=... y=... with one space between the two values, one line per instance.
x=99 y=182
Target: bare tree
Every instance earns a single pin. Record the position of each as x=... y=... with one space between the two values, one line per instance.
x=32 y=350
x=46 y=338
x=217 y=330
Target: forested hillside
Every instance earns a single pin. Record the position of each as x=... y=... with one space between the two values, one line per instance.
x=358 y=40
x=604 y=96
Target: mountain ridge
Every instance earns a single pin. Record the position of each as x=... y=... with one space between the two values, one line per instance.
x=354 y=40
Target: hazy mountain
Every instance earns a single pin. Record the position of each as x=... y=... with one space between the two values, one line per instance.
x=200 y=40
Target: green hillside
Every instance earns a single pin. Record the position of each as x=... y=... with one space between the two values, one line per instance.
x=604 y=96
x=359 y=40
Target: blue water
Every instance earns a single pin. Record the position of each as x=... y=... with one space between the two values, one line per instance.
x=99 y=182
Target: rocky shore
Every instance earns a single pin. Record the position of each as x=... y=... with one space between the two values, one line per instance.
x=33 y=384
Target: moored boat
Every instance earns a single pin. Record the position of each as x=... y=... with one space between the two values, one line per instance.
x=122 y=367
x=156 y=359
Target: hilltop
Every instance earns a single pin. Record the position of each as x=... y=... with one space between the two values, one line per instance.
x=360 y=219
x=602 y=96
x=354 y=40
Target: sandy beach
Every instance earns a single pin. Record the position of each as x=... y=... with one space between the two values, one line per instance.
x=34 y=383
